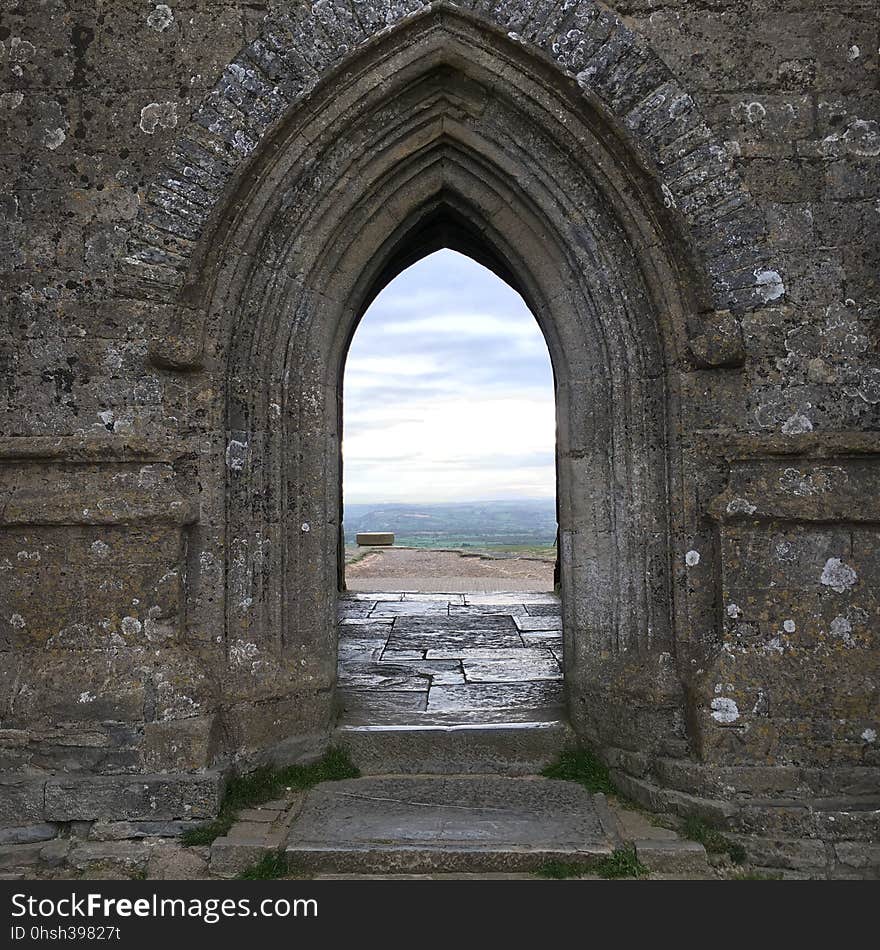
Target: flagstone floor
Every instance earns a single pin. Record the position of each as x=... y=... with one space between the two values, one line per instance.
x=435 y=658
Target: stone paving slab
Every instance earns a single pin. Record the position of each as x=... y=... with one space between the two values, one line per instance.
x=511 y=597
x=411 y=608
x=449 y=823
x=495 y=696
x=372 y=596
x=533 y=638
x=517 y=666
x=382 y=676
x=366 y=705
x=544 y=610
x=528 y=624
x=359 y=651
x=449 y=636
x=450 y=599
x=349 y=625
x=429 y=626
x=487 y=647
x=442 y=672
x=355 y=610
x=477 y=610
x=474 y=653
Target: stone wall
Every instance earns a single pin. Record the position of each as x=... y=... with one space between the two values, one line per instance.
x=118 y=579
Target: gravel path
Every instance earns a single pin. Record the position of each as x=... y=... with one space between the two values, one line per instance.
x=449 y=571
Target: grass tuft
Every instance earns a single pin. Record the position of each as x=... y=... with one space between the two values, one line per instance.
x=618 y=864
x=272 y=866
x=206 y=832
x=559 y=870
x=712 y=840
x=585 y=768
x=266 y=783
x=621 y=863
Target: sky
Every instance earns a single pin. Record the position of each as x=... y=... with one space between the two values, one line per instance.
x=448 y=391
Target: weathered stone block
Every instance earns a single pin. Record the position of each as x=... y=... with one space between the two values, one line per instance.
x=170 y=862
x=229 y=857
x=858 y=854
x=133 y=797
x=16 y=856
x=673 y=857
x=21 y=800
x=120 y=830
x=798 y=854
x=122 y=858
x=28 y=834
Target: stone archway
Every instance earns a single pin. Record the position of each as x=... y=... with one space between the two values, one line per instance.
x=169 y=476
x=445 y=131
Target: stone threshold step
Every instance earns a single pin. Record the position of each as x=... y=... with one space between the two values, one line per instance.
x=435 y=825
x=398 y=859
x=440 y=823
x=521 y=748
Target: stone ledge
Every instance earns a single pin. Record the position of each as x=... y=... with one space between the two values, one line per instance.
x=744 y=784
x=739 y=446
x=670 y=800
x=92 y=447
x=852 y=818
x=29 y=507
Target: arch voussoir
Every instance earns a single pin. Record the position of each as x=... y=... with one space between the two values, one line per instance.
x=617 y=72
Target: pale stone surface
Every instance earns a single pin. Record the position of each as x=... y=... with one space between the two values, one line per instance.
x=515 y=666
x=492 y=697
x=525 y=624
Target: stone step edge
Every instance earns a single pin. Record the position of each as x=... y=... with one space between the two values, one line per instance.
x=248 y=841
x=552 y=724
x=390 y=858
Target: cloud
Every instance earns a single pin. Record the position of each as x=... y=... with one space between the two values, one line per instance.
x=448 y=391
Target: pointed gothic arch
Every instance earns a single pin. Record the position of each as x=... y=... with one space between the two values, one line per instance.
x=302 y=188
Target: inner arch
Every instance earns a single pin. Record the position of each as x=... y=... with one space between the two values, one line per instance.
x=448 y=359
x=521 y=178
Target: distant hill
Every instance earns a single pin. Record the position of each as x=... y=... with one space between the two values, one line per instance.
x=476 y=524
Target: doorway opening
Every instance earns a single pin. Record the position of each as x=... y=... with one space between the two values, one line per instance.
x=451 y=611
